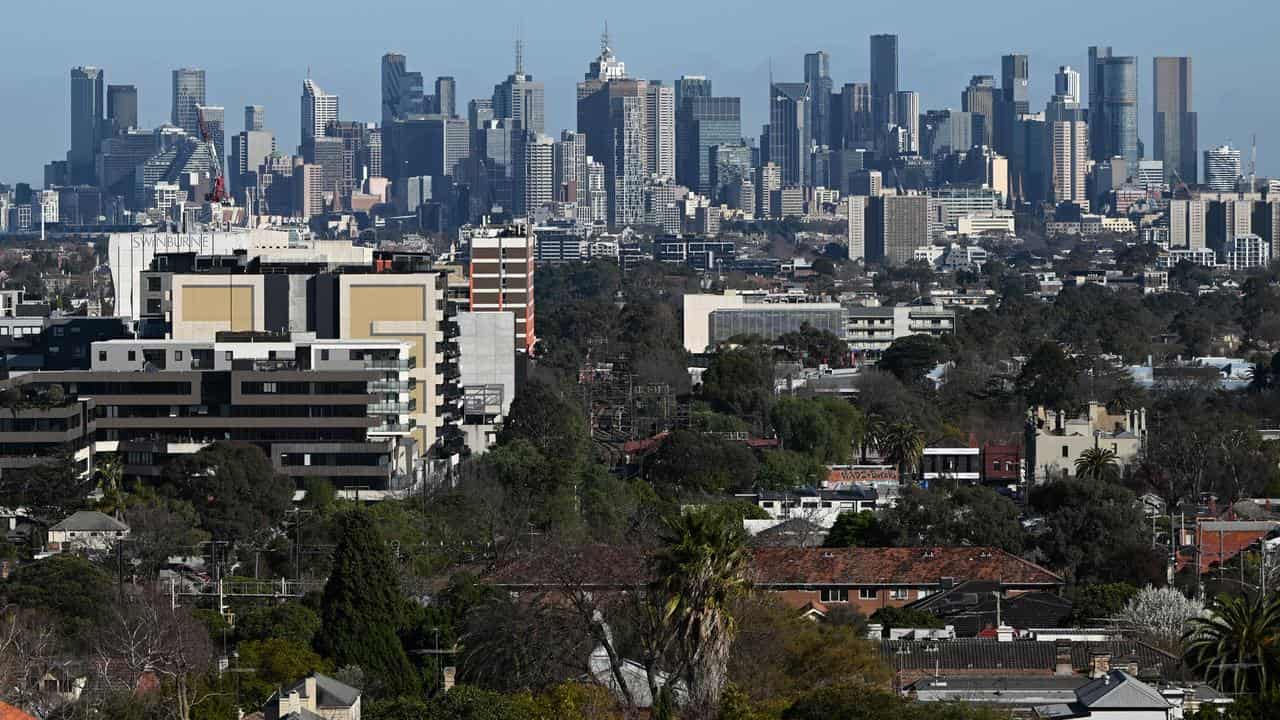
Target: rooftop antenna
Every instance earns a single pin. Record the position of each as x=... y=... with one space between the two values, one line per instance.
x=519 y=57
x=604 y=39
x=1253 y=164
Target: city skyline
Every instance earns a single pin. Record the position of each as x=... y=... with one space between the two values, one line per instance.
x=932 y=63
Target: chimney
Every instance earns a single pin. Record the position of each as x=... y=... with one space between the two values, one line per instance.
x=450 y=677
x=1004 y=633
x=310 y=685
x=1099 y=665
x=1062 y=658
x=875 y=631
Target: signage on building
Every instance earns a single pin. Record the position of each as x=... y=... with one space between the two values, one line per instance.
x=842 y=477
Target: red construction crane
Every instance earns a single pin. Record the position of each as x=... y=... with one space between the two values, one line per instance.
x=219 y=193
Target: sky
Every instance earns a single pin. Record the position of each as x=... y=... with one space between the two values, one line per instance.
x=259 y=52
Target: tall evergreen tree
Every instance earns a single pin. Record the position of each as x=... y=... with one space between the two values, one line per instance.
x=362 y=608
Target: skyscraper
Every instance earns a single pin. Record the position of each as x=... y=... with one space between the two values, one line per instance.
x=519 y=98
x=122 y=109
x=857 y=127
x=255 y=118
x=318 y=110
x=712 y=122
x=402 y=91
x=1068 y=139
x=817 y=75
x=1066 y=85
x=687 y=88
x=447 y=96
x=86 y=123
x=906 y=113
x=1114 y=123
x=1015 y=100
x=1097 y=53
x=979 y=99
x=1221 y=168
x=188 y=94
x=1175 y=133
x=895 y=226
x=884 y=81
x=789 y=134
x=215 y=123
x=691 y=86
x=660 y=129
x=611 y=113
x=534 y=157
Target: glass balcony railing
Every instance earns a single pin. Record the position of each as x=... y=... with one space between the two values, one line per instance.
x=389 y=364
x=396 y=408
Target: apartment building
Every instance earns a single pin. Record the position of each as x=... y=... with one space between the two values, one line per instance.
x=501 y=275
x=871 y=330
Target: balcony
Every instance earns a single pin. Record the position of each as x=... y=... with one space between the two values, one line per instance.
x=388 y=386
x=390 y=408
x=450 y=329
x=392 y=428
x=448 y=371
x=401 y=364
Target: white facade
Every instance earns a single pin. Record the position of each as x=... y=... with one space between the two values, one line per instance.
x=1246 y=252
x=1222 y=168
x=660 y=124
x=855 y=212
x=318 y=110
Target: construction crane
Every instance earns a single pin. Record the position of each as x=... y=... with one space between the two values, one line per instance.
x=219 y=192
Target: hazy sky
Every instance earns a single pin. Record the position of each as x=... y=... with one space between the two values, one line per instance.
x=259 y=52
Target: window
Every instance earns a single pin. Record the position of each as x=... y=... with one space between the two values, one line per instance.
x=153 y=284
x=1066 y=451
x=324 y=354
x=133 y=356
x=177 y=355
x=228 y=356
x=898 y=594
x=57 y=332
x=867 y=593
x=268 y=387
x=995 y=465
x=102 y=356
x=834 y=596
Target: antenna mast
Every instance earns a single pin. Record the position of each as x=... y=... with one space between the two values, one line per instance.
x=1253 y=164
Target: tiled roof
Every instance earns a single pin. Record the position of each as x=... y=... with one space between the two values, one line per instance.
x=975 y=655
x=780 y=567
x=91 y=520
x=971 y=607
x=9 y=712
x=906 y=566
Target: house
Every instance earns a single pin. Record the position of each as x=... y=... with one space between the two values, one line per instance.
x=977 y=608
x=315 y=697
x=1116 y=695
x=914 y=660
x=867 y=579
x=821 y=507
x=86 y=530
x=1217 y=542
x=1055 y=441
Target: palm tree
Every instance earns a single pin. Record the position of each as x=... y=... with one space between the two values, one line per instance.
x=902 y=445
x=699 y=570
x=1237 y=646
x=871 y=434
x=1098 y=464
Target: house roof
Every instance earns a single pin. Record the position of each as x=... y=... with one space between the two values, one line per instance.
x=903 y=566
x=973 y=655
x=971 y=606
x=329 y=692
x=781 y=567
x=1118 y=690
x=90 y=521
x=9 y=712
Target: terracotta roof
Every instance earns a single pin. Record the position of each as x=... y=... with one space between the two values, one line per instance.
x=906 y=566
x=9 y=712
x=778 y=567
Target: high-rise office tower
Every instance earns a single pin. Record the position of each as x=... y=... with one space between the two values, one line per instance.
x=215 y=123
x=534 y=172
x=122 y=109
x=1068 y=139
x=249 y=150
x=570 y=172
x=612 y=113
x=255 y=118
x=691 y=86
x=789 y=134
x=86 y=123
x=447 y=96
x=1221 y=168
x=188 y=94
x=402 y=91
x=519 y=98
x=979 y=99
x=857 y=126
x=660 y=128
x=1066 y=85
x=479 y=112
x=711 y=122
x=1114 y=120
x=884 y=81
x=1014 y=101
x=817 y=75
x=906 y=113
x=1175 y=125
x=319 y=108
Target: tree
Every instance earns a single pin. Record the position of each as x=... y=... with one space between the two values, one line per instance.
x=1161 y=615
x=825 y=428
x=275 y=662
x=901 y=617
x=1099 y=601
x=1119 y=548
x=860 y=529
x=815 y=347
x=50 y=490
x=785 y=469
x=292 y=621
x=688 y=462
x=739 y=382
x=234 y=489
x=362 y=608
x=75 y=591
x=159 y=527
x=910 y=358
x=1235 y=646
x=1098 y=464
x=1049 y=378
x=954 y=515
x=548 y=420
x=901 y=445
x=699 y=570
